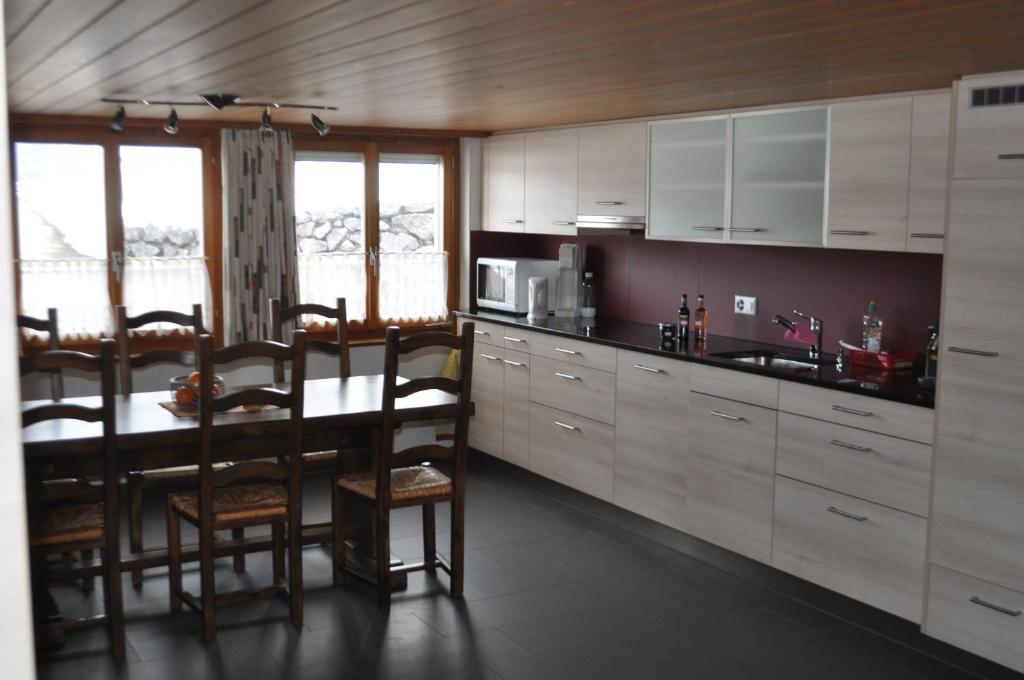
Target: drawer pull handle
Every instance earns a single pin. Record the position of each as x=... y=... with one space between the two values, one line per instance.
x=1011 y=157
x=854 y=447
x=511 y=339
x=476 y=332
x=843 y=513
x=566 y=426
x=490 y=357
x=708 y=228
x=1002 y=610
x=972 y=352
x=746 y=230
x=927 y=235
x=563 y=223
x=649 y=369
x=567 y=376
x=849 y=232
x=851 y=411
x=568 y=351
x=514 y=363
x=608 y=202
x=719 y=414
x=513 y=221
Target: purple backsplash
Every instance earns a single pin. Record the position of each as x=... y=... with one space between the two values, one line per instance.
x=640 y=280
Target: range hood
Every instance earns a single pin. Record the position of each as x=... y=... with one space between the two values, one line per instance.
x=609 y=224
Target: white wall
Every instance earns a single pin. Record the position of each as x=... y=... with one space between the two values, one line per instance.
x=16 y=643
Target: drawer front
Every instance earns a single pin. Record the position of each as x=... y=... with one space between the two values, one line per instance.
x=887 y=470
x=486 y=427
x=572 y=388
x=989 y=139
x=866 y=551
x=578 y=352
x=976 y=615
x=855 y=410
x=651 y=401
x=485 y=332
x=730 y=474
x=735 y=385
x=517 y=408
x=516 y=339
x=575 y=451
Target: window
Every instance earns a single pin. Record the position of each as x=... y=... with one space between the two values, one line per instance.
x=78 y=257
x=387 y=252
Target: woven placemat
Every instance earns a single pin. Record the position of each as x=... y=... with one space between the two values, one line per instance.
x=181 y=412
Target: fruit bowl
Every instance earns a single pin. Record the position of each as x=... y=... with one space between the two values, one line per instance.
x=185 y=390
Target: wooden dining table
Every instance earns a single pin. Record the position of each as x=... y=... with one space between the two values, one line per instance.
x=337 y=411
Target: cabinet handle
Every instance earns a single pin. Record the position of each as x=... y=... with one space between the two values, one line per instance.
x=719 y=414
x=848 y=232
x=1002 y=610
x=843 y=513
x=567 y=351
x=476 y=332
x=648 y=368
x=563 y=223
x=608 y=202
x=707 y=228
x=511 y=339
x=854 y=447
x=513 y=363
x=567 y=376
x=1011 y=157
x=490 y=357
x=972 y=352
x=513 y=221
x=745 y=229
x=852 y=411
x=926 y=235
x=566 y=426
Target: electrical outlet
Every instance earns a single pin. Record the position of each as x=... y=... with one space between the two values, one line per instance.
x=745 y=305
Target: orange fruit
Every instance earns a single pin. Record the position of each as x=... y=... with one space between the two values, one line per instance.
x=194 y=378
x=185 y=396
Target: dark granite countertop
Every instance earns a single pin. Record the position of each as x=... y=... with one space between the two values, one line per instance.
x=901 y=386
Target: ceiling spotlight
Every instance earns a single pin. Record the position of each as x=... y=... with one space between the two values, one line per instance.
x=322 y=128
x=266 y=127
x=117 y=124
x=171 y=126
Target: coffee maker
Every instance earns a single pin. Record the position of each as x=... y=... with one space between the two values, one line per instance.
x=567 y=283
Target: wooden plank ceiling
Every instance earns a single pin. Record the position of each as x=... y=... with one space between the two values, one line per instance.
x=495 y=64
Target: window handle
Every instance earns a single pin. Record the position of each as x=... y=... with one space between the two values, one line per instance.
x=117 y=264
x=374 y=261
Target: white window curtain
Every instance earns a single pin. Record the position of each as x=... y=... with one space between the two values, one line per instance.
x=326 y=277
x=77 y=287
x=167 y=283
x=414 y=286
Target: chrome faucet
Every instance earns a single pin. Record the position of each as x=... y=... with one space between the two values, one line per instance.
x=816 y=328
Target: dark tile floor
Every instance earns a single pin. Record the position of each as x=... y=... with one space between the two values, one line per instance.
x=553 y=590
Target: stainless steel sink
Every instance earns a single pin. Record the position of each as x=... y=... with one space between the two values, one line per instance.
x=770 y=359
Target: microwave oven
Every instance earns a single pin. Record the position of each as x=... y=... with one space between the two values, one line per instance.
x=502 y=283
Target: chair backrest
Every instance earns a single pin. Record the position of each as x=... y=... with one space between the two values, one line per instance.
x=48 y=326
x=279 y=316
x=209 y=359
x=461 y=387
x=104 y=413
x=125 y=324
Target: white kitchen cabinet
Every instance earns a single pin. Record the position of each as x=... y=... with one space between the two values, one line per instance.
x=651 y=402
x=516 y=408
x=778 y=176
x=687 y=178
x=990 y=136
x=869 y=174
x=551 y=181
x=504 y=174
x=929 y=172
x=486 y=427
x=613 y=169
x=573 y=450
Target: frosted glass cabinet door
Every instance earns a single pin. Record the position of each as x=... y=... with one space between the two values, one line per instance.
x=687 y=179
x=778 y=184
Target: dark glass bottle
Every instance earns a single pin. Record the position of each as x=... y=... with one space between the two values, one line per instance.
x=684 y=322
x=700 y=321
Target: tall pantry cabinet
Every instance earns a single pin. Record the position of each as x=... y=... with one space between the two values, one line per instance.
x=976 y=554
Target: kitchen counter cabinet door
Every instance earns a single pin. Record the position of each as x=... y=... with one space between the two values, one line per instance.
x=504 y=175
x=651 y=397
x=929 y=173
x=486 y=427
x=687 y=179
x=730 y=478
x=551 y=182
x=869 y=174
x=989 y=139
x=516 y=412
x=613 y=169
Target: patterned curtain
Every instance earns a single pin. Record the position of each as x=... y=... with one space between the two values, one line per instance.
x=259 y=230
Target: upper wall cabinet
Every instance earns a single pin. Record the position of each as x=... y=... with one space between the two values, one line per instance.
x=613 y=169
x=551 y=181
x=503 y=167
x=990 y=127
x=778 y=176
x=929 y=173
x=869 y=174
x=687 y=179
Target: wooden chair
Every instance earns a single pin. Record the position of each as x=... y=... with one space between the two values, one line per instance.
x=48 y=326
x=68 y=516
x=246 y=494
x=401 y=479
x=139 y=480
